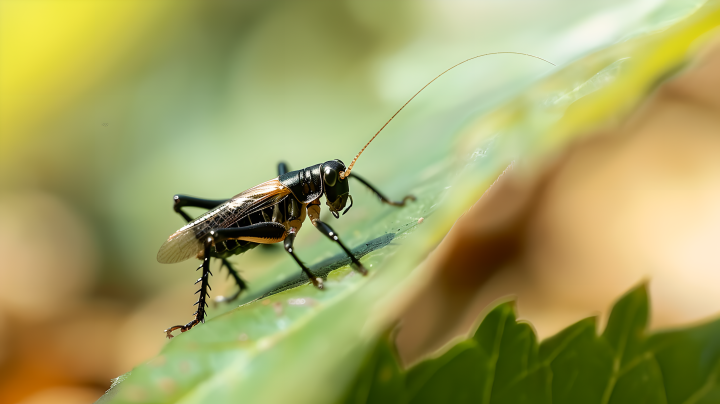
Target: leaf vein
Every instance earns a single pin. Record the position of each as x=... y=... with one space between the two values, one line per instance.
x=617 y=359
x=494 y=356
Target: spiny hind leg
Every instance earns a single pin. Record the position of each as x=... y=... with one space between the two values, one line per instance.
x=259 y=233
x=203 y=291
x=181 y=201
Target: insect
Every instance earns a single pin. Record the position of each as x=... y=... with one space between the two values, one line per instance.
x=271 y=212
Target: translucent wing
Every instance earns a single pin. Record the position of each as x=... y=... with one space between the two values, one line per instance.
x=186 y=242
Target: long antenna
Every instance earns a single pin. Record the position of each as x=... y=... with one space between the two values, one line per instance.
x=346 y=173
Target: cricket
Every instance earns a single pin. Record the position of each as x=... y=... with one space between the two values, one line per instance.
x=271 y=212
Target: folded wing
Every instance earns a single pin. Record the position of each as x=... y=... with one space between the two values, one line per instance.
x=187 y=242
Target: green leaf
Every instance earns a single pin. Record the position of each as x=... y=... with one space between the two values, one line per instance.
x=690 y=363
x=500 y=362
x=563 y=353
x=298 y=344
x=380 y=379
x=503 y=363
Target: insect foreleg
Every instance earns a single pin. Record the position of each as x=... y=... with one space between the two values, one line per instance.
x=203 y=291
x=289 y=240
x=181 y=201
x=330 y=233
x=382 y=197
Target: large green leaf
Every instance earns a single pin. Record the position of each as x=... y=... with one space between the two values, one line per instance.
x=503 y=363
x=298 y=344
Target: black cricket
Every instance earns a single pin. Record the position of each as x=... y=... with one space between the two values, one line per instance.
x=245 y=221
x=270 y=212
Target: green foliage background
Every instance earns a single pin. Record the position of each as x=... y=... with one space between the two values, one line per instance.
x=503 y=363
x=303 y=345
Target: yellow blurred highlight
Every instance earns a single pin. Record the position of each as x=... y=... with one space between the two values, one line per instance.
x=53 y=51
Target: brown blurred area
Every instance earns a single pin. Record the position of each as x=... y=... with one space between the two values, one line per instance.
x=60 y=342
x=636 y=203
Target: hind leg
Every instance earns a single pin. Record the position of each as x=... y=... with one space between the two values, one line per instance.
x=202 y=299
x=181 y=201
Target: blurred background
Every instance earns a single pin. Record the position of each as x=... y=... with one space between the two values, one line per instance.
x=108 y=109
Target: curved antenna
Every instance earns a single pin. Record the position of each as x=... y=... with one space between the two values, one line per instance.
x=346 y=173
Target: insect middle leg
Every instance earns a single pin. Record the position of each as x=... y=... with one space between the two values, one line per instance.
x=289 y=240
x=180 y=201
x=270 y=232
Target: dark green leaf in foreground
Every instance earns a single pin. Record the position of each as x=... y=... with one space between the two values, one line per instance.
x=380 y=379
x=503 y=363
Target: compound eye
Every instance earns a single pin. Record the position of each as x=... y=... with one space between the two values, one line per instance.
x=330 y=176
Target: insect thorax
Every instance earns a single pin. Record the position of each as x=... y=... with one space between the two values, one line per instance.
x=305 y=184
